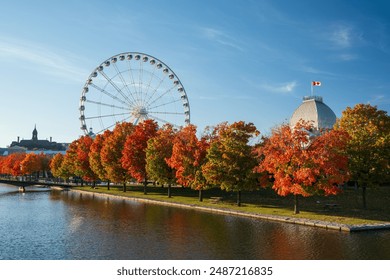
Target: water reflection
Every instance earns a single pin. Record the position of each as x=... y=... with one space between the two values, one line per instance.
x=70 y=225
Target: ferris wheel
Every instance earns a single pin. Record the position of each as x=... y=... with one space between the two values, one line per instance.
x=132 y=87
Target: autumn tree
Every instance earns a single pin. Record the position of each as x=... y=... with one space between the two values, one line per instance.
x=2 y=159
x=230 y=159
x=111 y=153
x=45 y=163
x=158 y=151
x=369 y=145
x=134 y=154
x=11 y=164
x=77 y=160
x=30 y=164
x=95 y=160
x=188 y=156
x=56 y=167
x=302 y=165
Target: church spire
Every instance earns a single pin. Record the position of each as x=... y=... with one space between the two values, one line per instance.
x=35 y=134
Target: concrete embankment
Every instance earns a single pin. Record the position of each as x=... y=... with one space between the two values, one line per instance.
x=273 y=218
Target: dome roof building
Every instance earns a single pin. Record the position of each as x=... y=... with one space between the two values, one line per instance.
x=314 y=109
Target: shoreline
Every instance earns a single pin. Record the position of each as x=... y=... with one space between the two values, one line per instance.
x=266 y=217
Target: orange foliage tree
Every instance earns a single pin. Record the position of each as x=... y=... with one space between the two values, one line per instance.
x=31 y=164
x=188 y=156
x=11 y=164
x=158 y=151
x=56 y=166
x=45 y=163
x=83 y=168
x=230 y=160
x=134 y=154
x=95 y=160
x=76 y=159
x=111 y=153
x=302 y=165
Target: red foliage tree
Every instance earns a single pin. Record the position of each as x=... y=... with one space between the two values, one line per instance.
x=188 y=156
x=134 y=152
x=302 y=165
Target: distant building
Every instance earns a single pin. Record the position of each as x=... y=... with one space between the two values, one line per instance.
x=314 y=109
x=36 y=145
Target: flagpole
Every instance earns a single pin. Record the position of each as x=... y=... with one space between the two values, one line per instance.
x=312 y=89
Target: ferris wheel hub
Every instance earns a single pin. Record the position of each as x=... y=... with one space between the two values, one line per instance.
x=140 y=112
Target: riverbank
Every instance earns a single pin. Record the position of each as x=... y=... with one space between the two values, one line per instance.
x=328 y=220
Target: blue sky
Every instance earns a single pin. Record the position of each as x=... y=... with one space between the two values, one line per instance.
x=238 y=60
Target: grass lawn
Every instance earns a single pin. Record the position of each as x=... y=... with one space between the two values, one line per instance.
x=348 y=208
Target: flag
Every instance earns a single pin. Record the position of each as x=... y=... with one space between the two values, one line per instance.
x=315 y=83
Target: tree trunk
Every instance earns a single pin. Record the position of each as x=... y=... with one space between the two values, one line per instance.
x=169 y=191
x=239 y=198
x=124 y=186
x=108 y=185
x=296 y=204
x=200 y=195
x=364 y=196
x=145 y=183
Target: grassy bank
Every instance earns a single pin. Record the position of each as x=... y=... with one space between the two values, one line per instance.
x=348 y=206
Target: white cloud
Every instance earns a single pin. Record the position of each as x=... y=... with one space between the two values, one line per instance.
x=342 y=36
x=280 y=88
x=221 y=37
x=347 y=57
x=44 y=60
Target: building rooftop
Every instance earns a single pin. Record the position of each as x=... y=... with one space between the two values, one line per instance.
x=314 y=109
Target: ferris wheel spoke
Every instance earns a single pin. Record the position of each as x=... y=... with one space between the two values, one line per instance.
x=130 y=94
x=106 y=116
x=161 y=96
x=110 y=126
x=164 y=104
x=166 y=113
x=155 y=90
x=149 y=83
x=133 y=83
x=116 y=88
x=162 y=120
x=105 y=104
x=140 y=80
x=108 y=94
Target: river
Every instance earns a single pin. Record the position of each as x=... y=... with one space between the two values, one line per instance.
x=50 y=225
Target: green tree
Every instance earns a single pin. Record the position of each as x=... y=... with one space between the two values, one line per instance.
x=369 y=145
x=230 y=159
